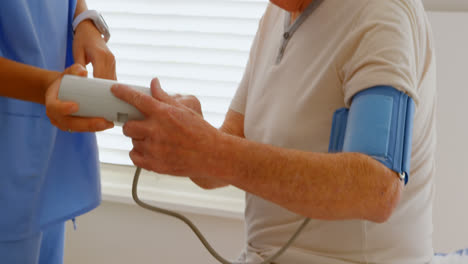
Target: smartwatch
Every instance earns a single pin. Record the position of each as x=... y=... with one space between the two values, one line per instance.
x=97 y=19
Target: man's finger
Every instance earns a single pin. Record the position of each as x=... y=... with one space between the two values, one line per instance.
x=146 y=104
x=139 y=145
x=138 y=159
x=136 y=130
x=158 y=93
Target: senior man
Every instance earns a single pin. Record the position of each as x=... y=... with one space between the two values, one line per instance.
x=308 y=59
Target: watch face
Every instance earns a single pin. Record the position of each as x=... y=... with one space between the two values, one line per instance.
x=103 y=21
x=103 y=28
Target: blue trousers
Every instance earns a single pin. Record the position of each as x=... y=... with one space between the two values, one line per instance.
x=43 y=248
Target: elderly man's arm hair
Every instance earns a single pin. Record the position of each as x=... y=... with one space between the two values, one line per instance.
x=232 y=125
x=324 y=186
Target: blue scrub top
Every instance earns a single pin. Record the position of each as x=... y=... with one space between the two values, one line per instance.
x=46 y=175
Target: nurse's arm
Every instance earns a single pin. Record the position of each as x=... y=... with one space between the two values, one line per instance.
x=24 y=82
x=28 y=83
x=90 y=47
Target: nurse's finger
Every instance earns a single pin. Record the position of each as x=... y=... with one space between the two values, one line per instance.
x=145 y=103
x=76 y=69
x=79 y=56
x=53 y=89
x=103 y=62
x=83 y=124
x=58 y=109
x=104 y=71
x=136 y=130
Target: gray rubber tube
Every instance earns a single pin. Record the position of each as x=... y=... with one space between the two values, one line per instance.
x=197 y=231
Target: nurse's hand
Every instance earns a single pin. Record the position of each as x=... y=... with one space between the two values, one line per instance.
x=59 y=112
x=90 y=47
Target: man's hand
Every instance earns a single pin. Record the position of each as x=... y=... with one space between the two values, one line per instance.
x=193 y=103
x=189 y=101
x=59 y=112
x=173 y=139
x=89 y=46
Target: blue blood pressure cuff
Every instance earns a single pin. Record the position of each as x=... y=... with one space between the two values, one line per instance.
x=379 y=123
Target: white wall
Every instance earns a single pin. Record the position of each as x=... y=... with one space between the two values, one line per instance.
x=450 y=206
x=446 y=5
x=120 y=233
x=123 y=234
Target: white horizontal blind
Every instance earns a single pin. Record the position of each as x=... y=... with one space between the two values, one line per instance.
x=193 y=47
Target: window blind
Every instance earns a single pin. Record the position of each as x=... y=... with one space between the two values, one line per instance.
x=193 y=47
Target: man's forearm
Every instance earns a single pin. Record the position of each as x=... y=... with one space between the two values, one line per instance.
x=233 y=125
x=24 y=82
x=211 y=182
x=317 y=185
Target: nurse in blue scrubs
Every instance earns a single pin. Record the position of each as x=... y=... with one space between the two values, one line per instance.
x=47 y=175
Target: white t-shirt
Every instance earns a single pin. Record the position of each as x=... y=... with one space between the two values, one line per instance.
x=343 y=47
